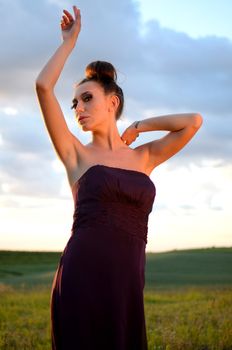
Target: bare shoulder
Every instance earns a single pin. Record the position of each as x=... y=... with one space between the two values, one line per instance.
x=143 y=156
x=85 y=155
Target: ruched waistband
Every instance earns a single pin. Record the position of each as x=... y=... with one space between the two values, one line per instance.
x=119 y=216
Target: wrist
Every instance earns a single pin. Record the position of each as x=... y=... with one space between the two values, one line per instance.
x=69 y=44
x=136 y=125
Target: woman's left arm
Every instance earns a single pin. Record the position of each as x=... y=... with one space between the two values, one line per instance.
x=182 y=128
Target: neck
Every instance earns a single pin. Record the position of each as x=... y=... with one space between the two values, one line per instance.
x=107 y=139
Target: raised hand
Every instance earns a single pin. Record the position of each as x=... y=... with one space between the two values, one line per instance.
x=70 y=26
x=130 y=134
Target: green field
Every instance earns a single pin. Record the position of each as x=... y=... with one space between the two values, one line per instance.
x=188 y=299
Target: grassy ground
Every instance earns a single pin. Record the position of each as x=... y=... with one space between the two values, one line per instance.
x=190 y=318
x=188 y=299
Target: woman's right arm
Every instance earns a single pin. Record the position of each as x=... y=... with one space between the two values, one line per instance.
x=64 y=142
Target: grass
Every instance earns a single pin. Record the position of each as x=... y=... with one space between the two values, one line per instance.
x=24 y=319
x=197 y=267
x=190 y=318
x=188 y=299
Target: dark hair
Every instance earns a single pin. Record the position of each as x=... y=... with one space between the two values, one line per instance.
x=105 y=74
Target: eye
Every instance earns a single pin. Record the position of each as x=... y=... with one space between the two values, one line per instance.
x=74 y=105
x=87 y=98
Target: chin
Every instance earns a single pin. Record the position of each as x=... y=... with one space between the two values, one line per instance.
x=85 y=128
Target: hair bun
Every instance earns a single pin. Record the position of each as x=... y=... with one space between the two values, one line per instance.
x=101 y=70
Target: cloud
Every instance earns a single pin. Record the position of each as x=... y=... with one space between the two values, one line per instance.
x=26 y=157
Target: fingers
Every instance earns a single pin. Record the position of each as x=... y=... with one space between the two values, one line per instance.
x=67 y=18
x=68 y=15
x=63 y=25
x=128 y=142
x=76 y=13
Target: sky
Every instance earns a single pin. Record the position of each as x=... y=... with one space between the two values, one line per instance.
x=171 y=57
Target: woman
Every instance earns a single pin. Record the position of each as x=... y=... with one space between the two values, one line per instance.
x=97 y=292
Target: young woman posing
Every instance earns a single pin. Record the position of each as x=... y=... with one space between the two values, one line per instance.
x=97 y=291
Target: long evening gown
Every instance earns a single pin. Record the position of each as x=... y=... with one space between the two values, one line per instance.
x=97 y=299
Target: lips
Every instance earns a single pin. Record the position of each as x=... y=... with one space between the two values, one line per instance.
x=82 y=117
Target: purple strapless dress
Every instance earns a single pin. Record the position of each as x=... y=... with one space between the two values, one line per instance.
x=97 y=297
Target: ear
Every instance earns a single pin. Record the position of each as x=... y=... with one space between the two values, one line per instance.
x=114 y=102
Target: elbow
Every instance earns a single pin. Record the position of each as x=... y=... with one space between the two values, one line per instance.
x=197 y=120
x=41 y=86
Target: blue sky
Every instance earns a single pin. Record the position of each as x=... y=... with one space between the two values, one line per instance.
x=196 y=18
x=172 y=57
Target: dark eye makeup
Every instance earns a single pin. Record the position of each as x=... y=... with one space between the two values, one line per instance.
x=74 y=105
x=85 y=98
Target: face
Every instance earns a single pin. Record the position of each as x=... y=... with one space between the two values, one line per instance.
x=91 y=105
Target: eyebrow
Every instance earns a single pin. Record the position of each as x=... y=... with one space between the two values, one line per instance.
x=82 y=95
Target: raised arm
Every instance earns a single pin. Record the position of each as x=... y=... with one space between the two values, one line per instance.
x=64 y=142
x=182 y=128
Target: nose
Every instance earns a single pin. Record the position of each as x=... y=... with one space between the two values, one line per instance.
x=80 y=107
